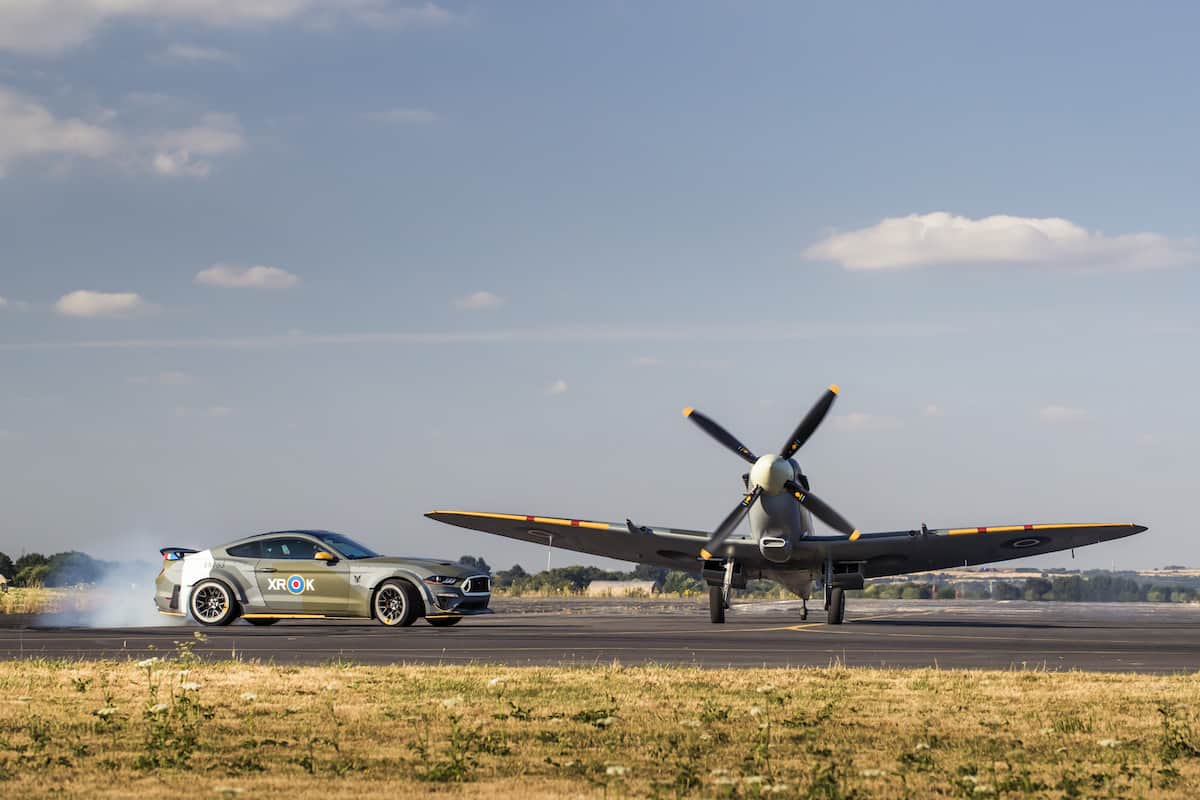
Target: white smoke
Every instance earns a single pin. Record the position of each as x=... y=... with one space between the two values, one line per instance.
x=123 y=596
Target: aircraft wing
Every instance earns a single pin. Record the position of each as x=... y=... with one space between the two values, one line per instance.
x=901 y=552
x=667 y=547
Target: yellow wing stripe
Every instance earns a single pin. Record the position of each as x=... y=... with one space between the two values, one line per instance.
x=571 y=523
x=1021 y=528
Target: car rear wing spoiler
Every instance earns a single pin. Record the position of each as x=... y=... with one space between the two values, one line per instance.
x=176 y=553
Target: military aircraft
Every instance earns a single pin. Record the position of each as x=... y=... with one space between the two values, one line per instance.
x=783 y=544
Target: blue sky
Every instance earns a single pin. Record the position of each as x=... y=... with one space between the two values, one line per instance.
x=339 y=262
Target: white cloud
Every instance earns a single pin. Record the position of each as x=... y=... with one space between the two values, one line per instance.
x=168 y=378
x=184 y=151
x=558 y=387
x=29 y=130
x=220 y=411
x=477 y=301
x=402 y=115
x=932 y=410
x=857 y=422
x=84 y=303
x=643 y=362
x=943 y=238
x=257 y=277
x=3 y=301
x=1061 y=414
x=195 y=54
x=53 y=26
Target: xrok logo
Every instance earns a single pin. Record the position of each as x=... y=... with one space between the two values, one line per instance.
x=295 y=584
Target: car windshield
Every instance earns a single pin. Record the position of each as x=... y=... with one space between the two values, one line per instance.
x=346 y=546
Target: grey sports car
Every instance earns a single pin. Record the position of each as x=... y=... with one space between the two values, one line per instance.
x=314 y=575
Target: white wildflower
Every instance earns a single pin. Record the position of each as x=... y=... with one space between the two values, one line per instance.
x=617 y=770
x=1109 y=742
x=190 y=686
x=754 y=779
x=724 y=780
x=497 y=681
x=158 y=708
x=921 y=746
x=983 y=788
x=451 y=702
x=604 y=722
x=249 y=696
x=756 y=711
x=106 y=712
x=148 y=663
x=873 y=773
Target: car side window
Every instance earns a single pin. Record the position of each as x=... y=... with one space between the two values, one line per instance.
x=295 y=549
x=247 y=550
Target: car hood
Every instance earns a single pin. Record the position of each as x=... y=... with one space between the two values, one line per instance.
x=431 y=566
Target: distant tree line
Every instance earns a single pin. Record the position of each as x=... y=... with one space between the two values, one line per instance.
x=1093 y=587
x=61 y=569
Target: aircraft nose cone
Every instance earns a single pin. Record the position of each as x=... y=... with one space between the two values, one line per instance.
x=770 y=472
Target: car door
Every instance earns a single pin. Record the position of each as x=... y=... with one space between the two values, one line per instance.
x=292 y=581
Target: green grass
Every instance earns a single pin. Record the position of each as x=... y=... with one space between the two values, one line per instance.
x=182 y=727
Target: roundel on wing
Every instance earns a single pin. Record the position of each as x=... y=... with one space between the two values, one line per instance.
x=1026 y=542
x=295 y=584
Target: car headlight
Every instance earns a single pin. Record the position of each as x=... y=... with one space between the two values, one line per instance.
x=442 y=580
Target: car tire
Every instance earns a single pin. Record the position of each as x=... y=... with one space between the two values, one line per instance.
x=212 y=603
x=443 y=622
x=396 y=603
x=261 y=622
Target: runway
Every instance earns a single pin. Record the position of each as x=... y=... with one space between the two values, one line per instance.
x=1120 y=637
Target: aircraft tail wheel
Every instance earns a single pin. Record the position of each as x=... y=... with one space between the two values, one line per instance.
x=716 y=604
x=837 y=606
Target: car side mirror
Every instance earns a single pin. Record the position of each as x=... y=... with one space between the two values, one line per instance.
x=322 y=555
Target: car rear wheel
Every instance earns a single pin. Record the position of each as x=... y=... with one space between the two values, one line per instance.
x=396 y=604
x=443 y=622
x=212 y=603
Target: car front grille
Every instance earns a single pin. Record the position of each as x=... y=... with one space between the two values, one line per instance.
x=477 y=585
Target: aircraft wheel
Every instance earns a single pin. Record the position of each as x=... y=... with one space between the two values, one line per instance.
x=837 y=606
x=716 y=604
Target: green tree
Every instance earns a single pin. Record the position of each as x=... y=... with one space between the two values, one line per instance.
x=7 y=568
x=476 y=562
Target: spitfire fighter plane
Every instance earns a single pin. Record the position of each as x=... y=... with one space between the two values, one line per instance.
x=783 y=545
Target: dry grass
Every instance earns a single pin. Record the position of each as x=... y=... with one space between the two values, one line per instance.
x=180 y=727
x=38 y=600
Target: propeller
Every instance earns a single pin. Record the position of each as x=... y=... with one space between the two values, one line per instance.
x=774 y=474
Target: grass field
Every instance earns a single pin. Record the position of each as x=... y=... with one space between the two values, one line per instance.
x=180 y=727
x=41 y=601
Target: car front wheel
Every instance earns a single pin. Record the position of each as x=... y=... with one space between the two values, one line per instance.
x=397 y=603
x=212 y=603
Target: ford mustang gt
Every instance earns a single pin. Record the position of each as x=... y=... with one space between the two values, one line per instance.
x=314 y=575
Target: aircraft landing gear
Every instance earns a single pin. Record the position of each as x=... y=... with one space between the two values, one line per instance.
x=835 y=605
x=716 y=604
x=719 y=596
x=803 y=608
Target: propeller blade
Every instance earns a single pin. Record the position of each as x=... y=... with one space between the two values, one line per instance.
x=822 y=510
x=729 y=523
x=810 y=422
x=720 y=434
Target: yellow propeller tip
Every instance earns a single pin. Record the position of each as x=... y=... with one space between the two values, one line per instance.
x=705 y=554
x=854 y=536
x=833 y=387
x=687 y=412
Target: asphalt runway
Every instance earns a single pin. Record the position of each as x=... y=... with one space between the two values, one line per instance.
x=1124 y=637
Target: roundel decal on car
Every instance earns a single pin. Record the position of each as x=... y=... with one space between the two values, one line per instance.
x=295 y=584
